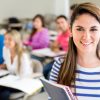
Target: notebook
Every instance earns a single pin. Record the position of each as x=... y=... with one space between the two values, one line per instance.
x=56 y=91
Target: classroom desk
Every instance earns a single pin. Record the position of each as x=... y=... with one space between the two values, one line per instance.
x=47 y=52
x=30 y=86
x=3 y=73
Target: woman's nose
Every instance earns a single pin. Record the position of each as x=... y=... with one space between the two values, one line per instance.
x=86 y=35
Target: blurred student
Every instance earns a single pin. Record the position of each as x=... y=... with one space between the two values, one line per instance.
x=16 y=60
x=61 y=43
x=14 y=24
x=62 y=40
x=39 y=37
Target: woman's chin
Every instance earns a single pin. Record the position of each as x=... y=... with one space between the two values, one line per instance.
x=6 y=46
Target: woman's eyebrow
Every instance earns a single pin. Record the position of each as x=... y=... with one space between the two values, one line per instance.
x=79 y=26
x=94 y=26
x=83 y=27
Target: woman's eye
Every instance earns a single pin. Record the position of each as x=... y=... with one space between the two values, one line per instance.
x=80 y=29
x=93 y=30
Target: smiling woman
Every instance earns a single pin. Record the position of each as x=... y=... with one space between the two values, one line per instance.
x=86 y=35
x=80 y=69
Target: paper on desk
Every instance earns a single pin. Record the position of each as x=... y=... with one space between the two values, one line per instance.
x=47 y=52
x=3 y=72
x=27 y=85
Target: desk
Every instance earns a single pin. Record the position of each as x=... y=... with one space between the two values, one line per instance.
x=47 y=52
x=3 y=72
x=28 y=85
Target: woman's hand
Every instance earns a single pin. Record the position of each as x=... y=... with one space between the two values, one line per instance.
x=2 y=66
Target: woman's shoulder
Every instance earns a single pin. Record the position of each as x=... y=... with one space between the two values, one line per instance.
x=45 y=30
x=56 y=68
x=5 y=49
x=59 y=60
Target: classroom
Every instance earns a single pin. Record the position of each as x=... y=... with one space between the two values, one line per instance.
x=47 y=44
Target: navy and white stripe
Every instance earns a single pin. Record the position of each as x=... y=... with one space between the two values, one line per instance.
x=87 y=82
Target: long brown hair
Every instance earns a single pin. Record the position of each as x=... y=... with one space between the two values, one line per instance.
x=67 y=71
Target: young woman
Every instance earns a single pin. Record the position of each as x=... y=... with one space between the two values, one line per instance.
x=80 y=69
x=16 y=60
x=39 y=37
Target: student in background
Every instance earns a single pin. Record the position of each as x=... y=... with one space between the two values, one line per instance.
x=14 y=24
x=61 y=43
x=62 y=40
x=16 y=60
x=80 y=69
x=39 y=37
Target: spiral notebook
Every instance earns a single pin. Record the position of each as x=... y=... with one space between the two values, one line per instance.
x=57 y=92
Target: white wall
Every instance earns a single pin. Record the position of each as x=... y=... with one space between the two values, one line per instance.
x=24 y=8
x=29 y=8
x=97 y=2
x=62 y=7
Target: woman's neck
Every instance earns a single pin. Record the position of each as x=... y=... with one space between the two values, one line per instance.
x=88 y=60
x=38 y=30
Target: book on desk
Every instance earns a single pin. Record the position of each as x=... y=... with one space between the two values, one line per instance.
x=27 y=85
x=3 y=72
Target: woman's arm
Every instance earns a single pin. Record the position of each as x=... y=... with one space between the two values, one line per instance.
x=2 y=66
x=55 y=69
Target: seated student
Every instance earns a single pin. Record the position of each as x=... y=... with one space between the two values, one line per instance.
x=63 y=37
x=39 y=37
x=14 y=24
x=16 y=60
x=61 y=42
x=80 y=69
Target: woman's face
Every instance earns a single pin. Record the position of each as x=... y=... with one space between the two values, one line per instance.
x=86 y=33
x=9 y=42
x=37 y=23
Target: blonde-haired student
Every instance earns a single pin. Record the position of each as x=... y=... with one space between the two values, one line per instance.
x=16 y=60
x=80 y=69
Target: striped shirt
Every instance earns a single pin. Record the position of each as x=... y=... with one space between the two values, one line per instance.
x=87 y=82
